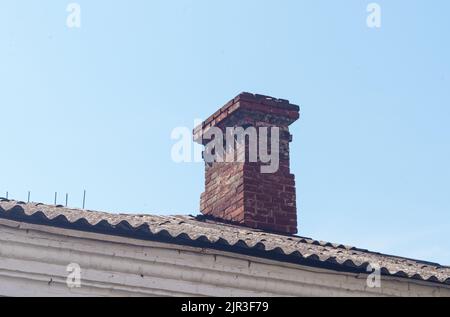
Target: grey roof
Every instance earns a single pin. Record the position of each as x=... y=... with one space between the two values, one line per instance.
x=205 y=233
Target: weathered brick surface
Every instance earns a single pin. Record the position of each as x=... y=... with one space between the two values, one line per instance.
x=238 y=192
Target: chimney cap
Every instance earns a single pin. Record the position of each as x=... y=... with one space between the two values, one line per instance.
x=280 y=108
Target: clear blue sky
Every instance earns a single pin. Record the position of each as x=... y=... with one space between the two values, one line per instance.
x=93 y=108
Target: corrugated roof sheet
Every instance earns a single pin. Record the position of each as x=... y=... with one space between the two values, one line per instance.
x=199 y=231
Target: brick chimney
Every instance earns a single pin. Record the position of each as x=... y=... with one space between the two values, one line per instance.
x=250 y=191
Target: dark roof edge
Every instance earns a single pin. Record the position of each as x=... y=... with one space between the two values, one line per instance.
x=143 y=232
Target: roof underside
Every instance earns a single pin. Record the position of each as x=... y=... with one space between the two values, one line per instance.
x=201 y=232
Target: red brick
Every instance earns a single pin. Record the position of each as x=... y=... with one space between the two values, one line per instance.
x=239 y=192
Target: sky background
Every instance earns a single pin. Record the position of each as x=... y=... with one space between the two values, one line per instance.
x=93 y=108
